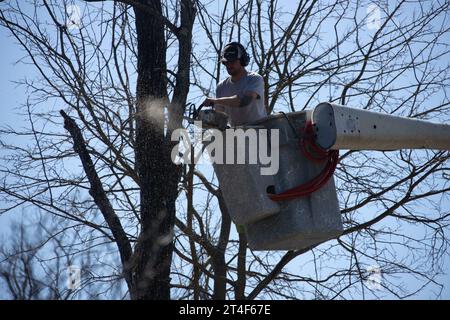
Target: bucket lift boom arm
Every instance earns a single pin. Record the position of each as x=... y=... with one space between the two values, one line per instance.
x=339 y=127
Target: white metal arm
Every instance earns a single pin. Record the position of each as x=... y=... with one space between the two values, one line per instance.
x=340 y=127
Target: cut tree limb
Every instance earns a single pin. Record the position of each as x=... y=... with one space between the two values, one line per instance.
x=98 y=193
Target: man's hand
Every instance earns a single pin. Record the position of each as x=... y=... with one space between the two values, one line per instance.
x=209 y=102
x=233 y=101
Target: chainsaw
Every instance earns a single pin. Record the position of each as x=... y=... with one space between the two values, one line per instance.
x=210 y=118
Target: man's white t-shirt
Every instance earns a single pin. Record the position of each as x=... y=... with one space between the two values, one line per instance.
x=251 y=82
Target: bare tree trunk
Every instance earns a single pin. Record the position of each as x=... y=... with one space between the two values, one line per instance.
x=158 y=175
x=154 y=252
x=218 y=259
x=241 y=268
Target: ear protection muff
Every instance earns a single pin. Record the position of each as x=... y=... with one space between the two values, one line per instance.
x=245 y=58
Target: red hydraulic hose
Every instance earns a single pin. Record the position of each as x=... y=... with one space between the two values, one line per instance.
x=315 y=154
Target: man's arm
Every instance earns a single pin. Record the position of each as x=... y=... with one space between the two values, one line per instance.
x=233 y=101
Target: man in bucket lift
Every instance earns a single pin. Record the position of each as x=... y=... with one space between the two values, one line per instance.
x=241 y=95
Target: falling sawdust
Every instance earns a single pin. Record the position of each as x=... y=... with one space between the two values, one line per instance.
x=154 y=110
